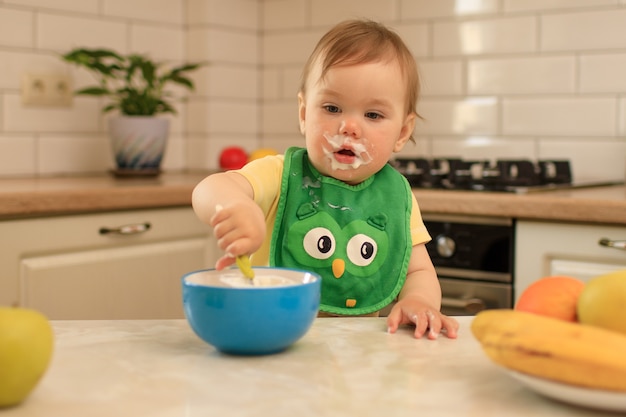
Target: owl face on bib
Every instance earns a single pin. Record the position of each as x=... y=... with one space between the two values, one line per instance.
x=354 y=251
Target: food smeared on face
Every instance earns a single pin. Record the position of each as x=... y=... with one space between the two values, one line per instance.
x=346 y=153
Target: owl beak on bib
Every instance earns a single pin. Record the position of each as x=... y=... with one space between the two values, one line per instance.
x=339 y=266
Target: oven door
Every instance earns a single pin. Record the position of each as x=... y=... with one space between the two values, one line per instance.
x=464 y=297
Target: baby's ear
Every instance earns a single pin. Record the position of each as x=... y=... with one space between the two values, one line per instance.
x=405 y=133
x=301 y=111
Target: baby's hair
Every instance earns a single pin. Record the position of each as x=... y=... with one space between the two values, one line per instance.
x=362 y=41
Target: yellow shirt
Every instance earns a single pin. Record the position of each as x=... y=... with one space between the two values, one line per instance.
x=265 y=176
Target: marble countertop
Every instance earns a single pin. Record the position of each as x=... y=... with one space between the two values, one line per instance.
x=342 y=367
x=37 y=197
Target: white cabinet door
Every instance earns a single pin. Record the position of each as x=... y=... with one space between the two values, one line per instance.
x=547 y=248
x=135 y=282
x=584 y=270
x=68 y=268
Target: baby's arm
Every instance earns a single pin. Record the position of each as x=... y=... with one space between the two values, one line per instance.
x=419 y=301
x=240 y=225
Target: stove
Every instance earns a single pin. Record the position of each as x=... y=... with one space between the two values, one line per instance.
x=503 y=175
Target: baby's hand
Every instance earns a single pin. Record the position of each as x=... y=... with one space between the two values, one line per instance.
x=411 y=310
x=239 y=229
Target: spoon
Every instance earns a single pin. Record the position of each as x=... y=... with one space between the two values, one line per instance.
x=242 y=261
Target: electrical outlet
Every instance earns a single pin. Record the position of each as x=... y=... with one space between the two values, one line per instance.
x=47 y=89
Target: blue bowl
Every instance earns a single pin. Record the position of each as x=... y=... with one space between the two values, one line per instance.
x=239 y=317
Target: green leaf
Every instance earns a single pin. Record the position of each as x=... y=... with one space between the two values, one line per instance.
x=134 y=82
x=93 y=91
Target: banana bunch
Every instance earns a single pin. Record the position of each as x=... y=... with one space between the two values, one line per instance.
x=546 y=347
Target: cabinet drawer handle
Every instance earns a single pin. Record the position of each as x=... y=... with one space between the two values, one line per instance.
x=617 y=244
x=127 y=229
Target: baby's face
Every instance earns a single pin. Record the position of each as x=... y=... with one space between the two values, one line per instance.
x=354 y=119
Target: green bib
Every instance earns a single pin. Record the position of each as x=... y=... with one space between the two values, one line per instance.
x=351 y=235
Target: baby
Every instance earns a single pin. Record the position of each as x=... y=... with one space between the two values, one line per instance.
x=336 y=207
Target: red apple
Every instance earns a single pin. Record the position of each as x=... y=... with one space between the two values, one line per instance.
x=233 y=157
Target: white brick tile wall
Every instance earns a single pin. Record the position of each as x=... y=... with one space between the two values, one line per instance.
x=60 y=33
x=75 y=6
x=159 y=42
x=442 y=78
x=284 y=14
x=493 y=36
x=163 y=11
x=13 y=64
x=581 y=31
x=542 y=5
x=472 y=116
x=329 y=12
x=525 y=75
x=17 y=155
x=83 y=116
x=592 y=158
x=622 y=117
x=222 y=46
x=294 y=48
x=484 y=147
x=175 y=155
x=227 y=81
x=603 y=73
x=572 y=116
x=290 y=82
x=73 y=154
x=51 y=140
x=275 y=120
x=16 y=28
x=501 y=78
x=415 y=36
x=234 y=117
x=242 y=14
x=427 y=9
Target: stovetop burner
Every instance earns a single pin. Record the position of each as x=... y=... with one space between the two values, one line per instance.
x=482 y=175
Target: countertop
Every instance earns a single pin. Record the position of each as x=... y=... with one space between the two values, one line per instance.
x=606 y=204
x=48 y=196
x=341 y=367
x=32 y=197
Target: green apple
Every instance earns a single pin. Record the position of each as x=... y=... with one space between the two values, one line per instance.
x=26 y=342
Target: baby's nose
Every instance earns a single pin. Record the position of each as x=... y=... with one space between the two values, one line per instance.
x=350 y=128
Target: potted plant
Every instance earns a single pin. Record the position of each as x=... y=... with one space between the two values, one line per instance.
x=135 y=86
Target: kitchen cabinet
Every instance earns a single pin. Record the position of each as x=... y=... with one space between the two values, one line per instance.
x=117 y=265
x=573 y=249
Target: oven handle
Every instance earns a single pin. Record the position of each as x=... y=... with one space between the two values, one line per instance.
x=470 y=305
x=617 y=244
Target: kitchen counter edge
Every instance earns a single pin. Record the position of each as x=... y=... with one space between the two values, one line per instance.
x=43 y=197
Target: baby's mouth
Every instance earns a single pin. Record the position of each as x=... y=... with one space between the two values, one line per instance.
x=345 y=156
x=345 y=153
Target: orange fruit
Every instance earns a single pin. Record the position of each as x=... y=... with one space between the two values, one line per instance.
x=553 y=296
x=260 y=153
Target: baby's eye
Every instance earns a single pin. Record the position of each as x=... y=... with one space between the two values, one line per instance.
x=372 y=115
x=331 y=109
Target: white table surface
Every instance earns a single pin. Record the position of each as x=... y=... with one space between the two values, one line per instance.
x=342 y=367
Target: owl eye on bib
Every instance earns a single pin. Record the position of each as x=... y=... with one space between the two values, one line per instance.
x=358 y=249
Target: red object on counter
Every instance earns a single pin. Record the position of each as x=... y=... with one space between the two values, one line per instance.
x=233 y=157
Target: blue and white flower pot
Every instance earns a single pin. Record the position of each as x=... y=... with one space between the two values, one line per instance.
x=138 y=143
